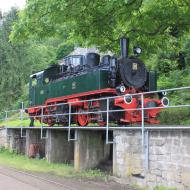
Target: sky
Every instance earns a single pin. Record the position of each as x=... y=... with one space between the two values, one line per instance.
x=5 y=5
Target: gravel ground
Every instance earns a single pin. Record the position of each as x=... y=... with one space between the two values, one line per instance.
x=18 y=180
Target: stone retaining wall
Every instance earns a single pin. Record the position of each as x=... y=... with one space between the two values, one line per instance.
x=168 y=153
x=169 y=158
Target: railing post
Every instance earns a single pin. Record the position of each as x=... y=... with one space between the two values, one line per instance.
x=142 y=118
x=42 y=115
x=6 y=119
x=145 y=137
x=146 y=151
x=69 y=126
x=107 y=123
x=21 y=120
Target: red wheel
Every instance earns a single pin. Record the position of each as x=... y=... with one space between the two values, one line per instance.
x=50 y=122
x=101 y=123
x=82 y=119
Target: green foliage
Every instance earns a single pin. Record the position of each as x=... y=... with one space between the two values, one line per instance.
x=18 y=61
x=24 y=163
x=63 y=50
x=150 y=23
x=176 y=78
x=177 y=116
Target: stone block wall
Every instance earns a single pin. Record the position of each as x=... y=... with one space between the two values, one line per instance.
x=169 y=158
x=168 y=155
x=127 y=153
x=15 y=142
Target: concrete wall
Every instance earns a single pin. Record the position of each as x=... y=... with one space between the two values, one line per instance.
x=33 y=136
x=90 y=149
x=58 y=149
x=3 y=138
x=169 y=158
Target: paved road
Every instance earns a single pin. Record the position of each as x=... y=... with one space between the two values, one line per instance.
x=11 y=179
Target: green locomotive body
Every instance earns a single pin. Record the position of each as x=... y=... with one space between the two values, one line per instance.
x=39 y=91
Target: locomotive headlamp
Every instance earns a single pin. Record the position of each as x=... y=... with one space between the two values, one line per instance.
x=128 y=99
x=165 y=101
x=121 y=89
x=137 y=50
x=164 y=93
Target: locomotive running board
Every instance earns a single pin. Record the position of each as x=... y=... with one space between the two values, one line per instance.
x=94 y=92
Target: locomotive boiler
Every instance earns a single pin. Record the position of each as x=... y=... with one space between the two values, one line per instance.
x=94 y=78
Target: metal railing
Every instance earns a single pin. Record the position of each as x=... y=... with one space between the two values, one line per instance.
x=107 y=111
x=22 y=116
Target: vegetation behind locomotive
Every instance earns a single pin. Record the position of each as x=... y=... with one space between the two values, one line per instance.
x=85 y=77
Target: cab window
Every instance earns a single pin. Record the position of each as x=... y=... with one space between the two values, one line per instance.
x=73 y=61
x=34 y=82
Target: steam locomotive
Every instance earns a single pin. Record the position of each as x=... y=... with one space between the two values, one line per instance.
x=91 y=77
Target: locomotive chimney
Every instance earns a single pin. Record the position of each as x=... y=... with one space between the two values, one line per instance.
x=124 y=44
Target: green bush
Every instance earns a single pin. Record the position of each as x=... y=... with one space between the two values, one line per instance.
x=175 y=116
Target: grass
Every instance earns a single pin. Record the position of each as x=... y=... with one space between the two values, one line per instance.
x=17 y=123
x=14 y=121
x=159 y=188
x=164 y=188
x=24 y=163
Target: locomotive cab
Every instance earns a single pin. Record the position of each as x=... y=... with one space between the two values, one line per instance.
x=72 y=63
x=35 y=80
x=51 y=73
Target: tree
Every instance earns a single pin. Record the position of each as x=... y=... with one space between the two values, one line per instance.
x=102 y=22
x=18 y=61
